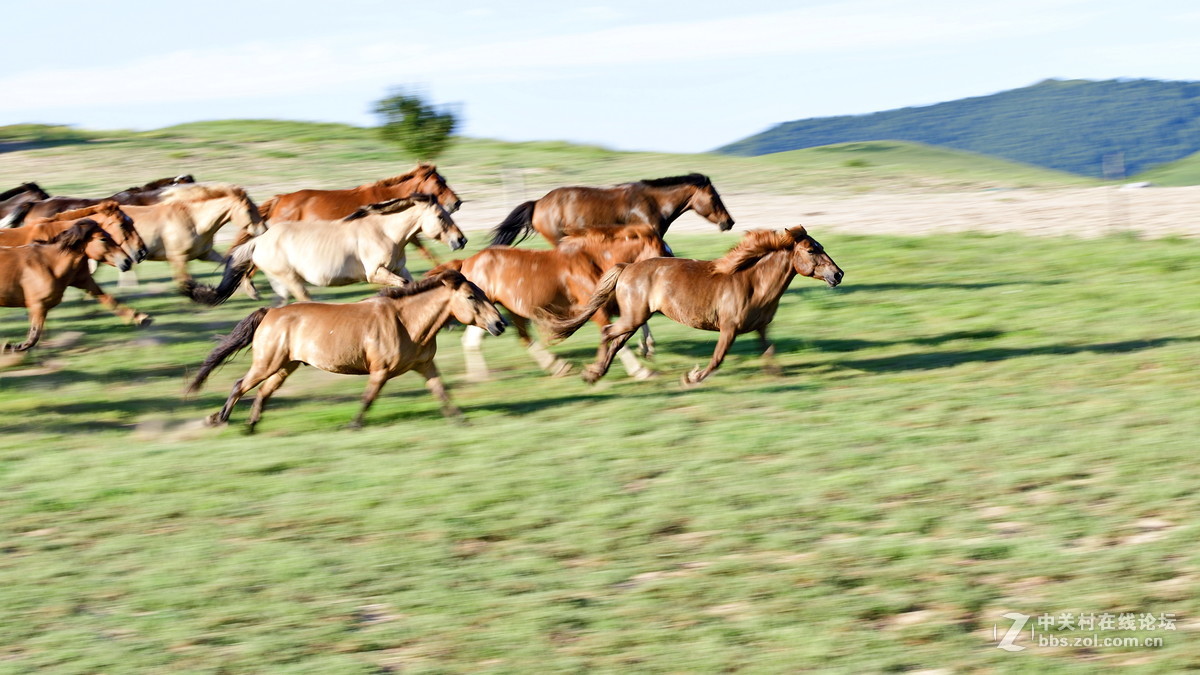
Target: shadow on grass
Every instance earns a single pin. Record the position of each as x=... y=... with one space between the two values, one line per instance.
x=748 y=344
x=903 y=286
x=948 y=359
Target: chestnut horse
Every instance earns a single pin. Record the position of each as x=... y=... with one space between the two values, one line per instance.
x=735 y=294
x=150 y=193
x=34 y=276
x=367 y=245
x=183 y=225
x=535 y=284
x=111 y=219
x=21 y=196
x=337 y=204
x=658 y=201
x=381 y=337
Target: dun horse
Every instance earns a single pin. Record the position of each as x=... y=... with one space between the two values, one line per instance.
x=368 y=245
x=381 y=337
x=24 y=195
x=735 y=294
x=111 y=219
x=34 y=276
x=659 y=201
x=534 y=284
x=183 y=225
x=150 y=193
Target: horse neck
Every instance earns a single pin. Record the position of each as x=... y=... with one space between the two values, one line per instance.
x=769 y=277
x=672 y=202
x=425 y=314
x=399 y=227
x=63 y=263
x=210 y=215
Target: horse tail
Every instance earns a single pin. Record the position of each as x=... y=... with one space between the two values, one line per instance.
x=519 y=223
x=17 y=217
x=265 y=208
x=237 y=265
x=561 y=329
x=238 y=339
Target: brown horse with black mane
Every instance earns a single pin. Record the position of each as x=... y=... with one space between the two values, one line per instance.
x=534 y=283
x=34 y=276
x=735 y=294
x=337 y=204
x=658 y=201
x=109 y=216
x=381 y=337
x=24 y=195
x=150 y=193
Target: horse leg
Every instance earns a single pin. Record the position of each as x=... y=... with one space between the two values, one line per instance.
x=37 y=321
x=645 y=346
x=247 y=281
x=768 y=352
x=724 y=342
x=179 y=267
x=542 y=356
x=433 y=381
x=477 y=370
x=262 y=368
x=296 y=286
x=264 y=392
x=613 y=338
x=386 y=277
x=375 y=382
x=632 y=366
x=127 y=314
x=281 y=291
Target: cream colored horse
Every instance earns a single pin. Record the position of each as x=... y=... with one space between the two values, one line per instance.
x=184 y=224
x=367 y=245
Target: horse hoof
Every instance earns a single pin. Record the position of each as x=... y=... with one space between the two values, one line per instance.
x=214 y=420
x=645 y=374
x=142 y=320
x=353 y=426
x=692 y=379
x=478 y=377
x=561 y=369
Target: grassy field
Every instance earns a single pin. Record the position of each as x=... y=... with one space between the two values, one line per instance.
x=969 y=426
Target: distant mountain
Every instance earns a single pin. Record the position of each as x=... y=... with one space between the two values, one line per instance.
x=1069 y=125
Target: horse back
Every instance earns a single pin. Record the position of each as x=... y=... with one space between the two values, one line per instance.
x=524 y=280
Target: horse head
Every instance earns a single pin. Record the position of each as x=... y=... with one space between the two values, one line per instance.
x=96 y=244
x=707 y=204
x=431 y=182
x=436 y=223
x=469 y=305
x=120 y=226
x=809 y=258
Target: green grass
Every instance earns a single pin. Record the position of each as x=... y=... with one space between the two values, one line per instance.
x=1181 y=172
x=971 y=425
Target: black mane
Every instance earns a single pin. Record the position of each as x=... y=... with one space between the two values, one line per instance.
x=696 y=179
x=428 y=283
x=23 y=187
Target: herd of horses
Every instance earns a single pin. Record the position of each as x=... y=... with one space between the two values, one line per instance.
x=609 y=263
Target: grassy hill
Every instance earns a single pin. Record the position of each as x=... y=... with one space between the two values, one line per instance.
x=269 y=156
x=1185 y=171
x=1065 y=125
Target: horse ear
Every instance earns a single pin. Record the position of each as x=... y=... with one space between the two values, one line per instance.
x=798 y=232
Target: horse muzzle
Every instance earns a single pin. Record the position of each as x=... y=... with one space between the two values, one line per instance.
x=125 y=263
x=496 y=327
x=455 y=206
x=457 y=243
x=834 y=279
x=726 y=224
x=141 y=254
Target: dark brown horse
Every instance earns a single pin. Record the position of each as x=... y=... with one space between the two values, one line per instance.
x=21 y=196
x=735 y=294
x=109 y=216
x=534 y=283
x=150 y=193
x=34 y=276
x=658 y=201
x=381 y=337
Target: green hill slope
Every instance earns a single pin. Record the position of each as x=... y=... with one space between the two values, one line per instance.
x=1182 y=172
x=1064 y=125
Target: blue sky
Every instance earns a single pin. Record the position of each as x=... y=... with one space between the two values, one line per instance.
x=671 y=76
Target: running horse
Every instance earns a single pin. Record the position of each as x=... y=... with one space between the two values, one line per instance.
x=111 y=219
x=34 y=276
x=184 y=224
x=735 y=294
x=150 y=193
x=381 y=337
x=367 y=245
x=21 y=197
x=658 y=201
x=533 y=284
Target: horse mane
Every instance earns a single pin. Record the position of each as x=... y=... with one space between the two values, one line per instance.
x=422 y=168
x=23 y=187
x=449 y=277
x=200 y=191
x=74 y=238
x=185 y=179
x=83 y=211
x=754 y=246
x=696 y=179
x=391 y=206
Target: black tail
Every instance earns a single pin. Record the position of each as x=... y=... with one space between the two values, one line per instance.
x=561 y=329
x=518 y=223
x=239 y=262
x=17 y=217
x=238 y=339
